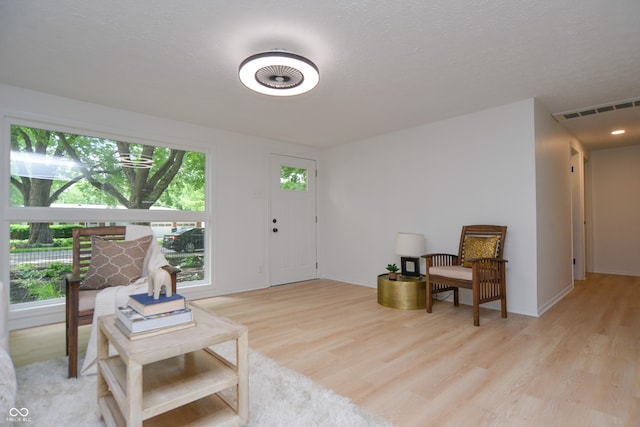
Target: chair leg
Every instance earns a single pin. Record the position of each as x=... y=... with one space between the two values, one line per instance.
x=429 y=304
x=66 y=335
x=456 y=301
x=503 y=304
x=72 y=347
x=503 y=294
x=476 y=305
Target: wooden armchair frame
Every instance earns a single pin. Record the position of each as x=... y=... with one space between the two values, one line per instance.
x=487 y=281
x=77 y=313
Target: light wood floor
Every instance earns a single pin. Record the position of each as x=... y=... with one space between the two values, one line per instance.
x=577 y=365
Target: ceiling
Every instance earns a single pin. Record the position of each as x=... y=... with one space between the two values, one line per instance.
x=383 y=66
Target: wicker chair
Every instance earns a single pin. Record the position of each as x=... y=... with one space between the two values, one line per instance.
x=80 y=302
x=484 y=275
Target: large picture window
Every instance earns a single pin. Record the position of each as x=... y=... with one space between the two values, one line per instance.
x=60 y=180
x=59 y=169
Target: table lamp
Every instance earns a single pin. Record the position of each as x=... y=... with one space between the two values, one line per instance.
x=410 y=246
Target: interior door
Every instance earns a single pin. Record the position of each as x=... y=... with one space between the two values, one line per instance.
x=578 y=216
x=293 y=220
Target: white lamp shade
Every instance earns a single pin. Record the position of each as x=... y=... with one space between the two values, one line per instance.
x=410 y=244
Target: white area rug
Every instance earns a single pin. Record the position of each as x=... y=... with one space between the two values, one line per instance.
x=277 y=397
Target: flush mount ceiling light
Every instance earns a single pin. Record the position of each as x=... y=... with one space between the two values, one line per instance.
x=618 y=132
x=278 y=73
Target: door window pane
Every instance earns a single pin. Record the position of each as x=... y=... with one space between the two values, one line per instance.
x=293 y=178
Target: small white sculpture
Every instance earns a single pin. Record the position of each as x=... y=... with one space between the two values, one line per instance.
x=160 y=283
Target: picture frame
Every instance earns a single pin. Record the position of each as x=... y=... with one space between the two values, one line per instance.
x=410 y=266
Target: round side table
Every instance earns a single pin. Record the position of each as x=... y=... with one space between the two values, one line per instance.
x=406 y=293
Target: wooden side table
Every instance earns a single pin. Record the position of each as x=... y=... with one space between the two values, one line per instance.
x=174 y=378
x=406 y=293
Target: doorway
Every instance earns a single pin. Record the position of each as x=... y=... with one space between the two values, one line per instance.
x=578 y=214
x=292 y=242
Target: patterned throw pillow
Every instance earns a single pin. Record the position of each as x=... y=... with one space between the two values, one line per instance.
x=115 y=263
x=479 y=247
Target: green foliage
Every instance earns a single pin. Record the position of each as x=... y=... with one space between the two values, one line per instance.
x=186 y=191
x=192 y=261
x=50 y=167
x=86 y=170
x=16 y=197
x=39 y=170
x=38 y=290
x=63 y=230
x=19 y=231
x=40 y=283
x=57 y=269
x=293 y=178
x=392 y=268
x=23 y=245
x=83 y=193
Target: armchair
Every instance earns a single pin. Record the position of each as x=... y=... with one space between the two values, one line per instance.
x=479 y=266
x=80 y=298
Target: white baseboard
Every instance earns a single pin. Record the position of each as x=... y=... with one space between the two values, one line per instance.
x=546 y=306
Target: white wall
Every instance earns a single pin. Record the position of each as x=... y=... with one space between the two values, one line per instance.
x=615 y=196
x=553 y=209
x=432 y=179
x=240 y=177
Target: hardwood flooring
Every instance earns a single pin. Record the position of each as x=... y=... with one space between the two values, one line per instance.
x=577 y=365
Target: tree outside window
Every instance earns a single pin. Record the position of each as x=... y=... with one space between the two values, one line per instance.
x=56 y=170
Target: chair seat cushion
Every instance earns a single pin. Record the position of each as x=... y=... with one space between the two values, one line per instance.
x=453 y=271
x=87 y=299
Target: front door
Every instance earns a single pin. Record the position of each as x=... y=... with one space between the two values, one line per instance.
x=293 y=220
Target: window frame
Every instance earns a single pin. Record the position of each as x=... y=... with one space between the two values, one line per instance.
x=37 y=313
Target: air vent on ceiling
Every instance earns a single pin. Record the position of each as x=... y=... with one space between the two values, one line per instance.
x=589 y=111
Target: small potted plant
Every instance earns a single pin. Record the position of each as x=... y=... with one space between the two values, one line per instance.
x=393 y=271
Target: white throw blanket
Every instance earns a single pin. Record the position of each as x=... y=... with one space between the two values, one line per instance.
x=109 y=299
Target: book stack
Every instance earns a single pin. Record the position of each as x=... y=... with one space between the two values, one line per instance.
x=144 y=316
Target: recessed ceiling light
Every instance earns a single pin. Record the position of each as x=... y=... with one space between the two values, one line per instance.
x=279 y=73
x=618 y=132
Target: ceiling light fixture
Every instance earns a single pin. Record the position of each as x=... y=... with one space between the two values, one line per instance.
x=279 y=73
x=618 y=132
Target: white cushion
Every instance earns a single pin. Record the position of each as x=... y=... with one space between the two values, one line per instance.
x=453 y=271
x=87 y=299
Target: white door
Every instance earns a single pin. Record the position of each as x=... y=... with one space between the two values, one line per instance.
x=292 y=245
x=578 y=216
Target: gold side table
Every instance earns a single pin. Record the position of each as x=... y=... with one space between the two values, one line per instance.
x=406 y=293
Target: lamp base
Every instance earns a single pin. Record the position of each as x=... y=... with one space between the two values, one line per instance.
x=410 y=266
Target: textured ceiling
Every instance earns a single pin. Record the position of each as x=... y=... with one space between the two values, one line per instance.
x=383 y=65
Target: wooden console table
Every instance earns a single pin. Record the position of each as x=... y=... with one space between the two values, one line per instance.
x=174 y=378
x=407 y=293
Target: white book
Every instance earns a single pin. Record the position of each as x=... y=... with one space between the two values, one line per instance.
x=136 y=322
